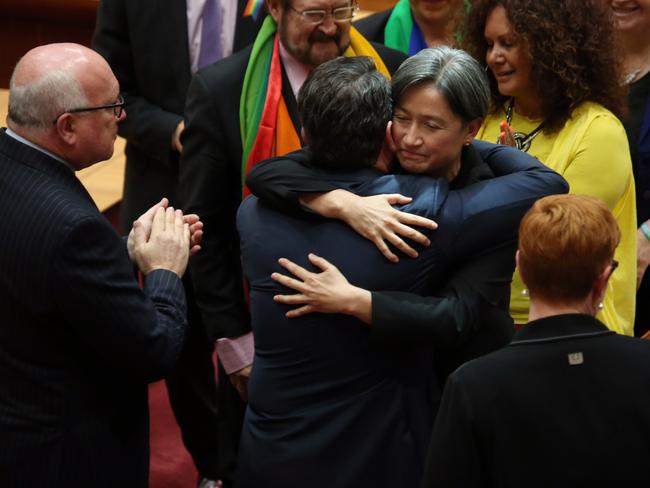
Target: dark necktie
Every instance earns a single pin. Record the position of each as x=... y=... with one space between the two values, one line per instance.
x=210 y=33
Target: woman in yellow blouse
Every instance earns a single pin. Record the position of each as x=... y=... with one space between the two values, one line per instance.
x=556 y=94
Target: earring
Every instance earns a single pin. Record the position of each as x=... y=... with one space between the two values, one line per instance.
x=524 y=292
x=600 y=306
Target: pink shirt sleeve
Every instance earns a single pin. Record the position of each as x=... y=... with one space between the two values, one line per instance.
x=236 y=353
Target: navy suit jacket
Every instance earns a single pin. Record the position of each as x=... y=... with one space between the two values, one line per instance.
x=325 y=399
x=79 y=340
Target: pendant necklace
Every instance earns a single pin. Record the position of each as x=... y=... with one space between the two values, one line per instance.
x=522 y=140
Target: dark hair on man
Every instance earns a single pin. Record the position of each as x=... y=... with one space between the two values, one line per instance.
x=344 y=106
x=573 y=50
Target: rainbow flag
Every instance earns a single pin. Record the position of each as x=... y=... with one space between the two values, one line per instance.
x=253 y=8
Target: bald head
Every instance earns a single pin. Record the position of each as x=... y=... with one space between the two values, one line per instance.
x=67 y=57
x=57 y=96
x=52 y=79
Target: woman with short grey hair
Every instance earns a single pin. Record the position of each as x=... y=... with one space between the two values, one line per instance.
x=456 y=74
x=440 y=97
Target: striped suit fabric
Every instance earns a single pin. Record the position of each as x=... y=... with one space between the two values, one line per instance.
x=79 y=340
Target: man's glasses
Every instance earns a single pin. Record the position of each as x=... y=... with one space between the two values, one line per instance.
x=341 y=14
x=117 y=109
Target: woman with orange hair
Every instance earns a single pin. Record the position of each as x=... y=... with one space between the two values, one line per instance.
x=566 y=403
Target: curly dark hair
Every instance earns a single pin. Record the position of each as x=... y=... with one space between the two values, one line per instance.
x=573 y=49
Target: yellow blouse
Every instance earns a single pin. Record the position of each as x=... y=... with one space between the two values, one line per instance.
x=592 y=153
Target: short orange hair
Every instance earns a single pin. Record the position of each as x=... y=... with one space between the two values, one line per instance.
x=565 y=242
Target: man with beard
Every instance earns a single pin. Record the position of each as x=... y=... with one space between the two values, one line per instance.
x=239 y=111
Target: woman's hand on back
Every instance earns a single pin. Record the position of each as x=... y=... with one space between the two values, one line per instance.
x=327 y=292
x=375 y=219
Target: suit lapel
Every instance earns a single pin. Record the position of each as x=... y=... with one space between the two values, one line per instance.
x=23 y=154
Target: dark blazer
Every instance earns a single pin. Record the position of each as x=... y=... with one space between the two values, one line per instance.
x=372 y=27
x=79 y=340
x=463 y=319
x=146 y=45
x=323 y=398
x=476 y=295
x=566 y=404
x=210 y=185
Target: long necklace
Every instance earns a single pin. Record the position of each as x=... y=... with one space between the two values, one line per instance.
x=522 y=140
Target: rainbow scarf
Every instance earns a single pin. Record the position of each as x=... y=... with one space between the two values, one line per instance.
x=253 y=9
x=265 y=125
x=403 y=34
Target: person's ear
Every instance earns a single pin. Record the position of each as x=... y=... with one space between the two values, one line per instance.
x=274 y=8
x=600 y=285
x=521 y=275
x=65 y=127
x=387 y=152
x=389 y=141
x=472 y=129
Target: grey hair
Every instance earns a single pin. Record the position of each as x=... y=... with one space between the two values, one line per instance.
x=454 y=73
x=35 y=105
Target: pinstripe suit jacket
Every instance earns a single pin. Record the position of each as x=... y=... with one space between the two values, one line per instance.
x=78 y=339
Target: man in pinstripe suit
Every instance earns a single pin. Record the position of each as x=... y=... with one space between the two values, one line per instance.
x=79 y=340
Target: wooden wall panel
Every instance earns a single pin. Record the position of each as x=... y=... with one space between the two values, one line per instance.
x=25 y=24
x=376 y=5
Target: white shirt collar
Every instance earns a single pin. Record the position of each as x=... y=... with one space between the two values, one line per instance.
x=15 y=136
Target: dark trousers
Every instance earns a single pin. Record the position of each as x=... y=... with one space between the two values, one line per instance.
x=210 y=416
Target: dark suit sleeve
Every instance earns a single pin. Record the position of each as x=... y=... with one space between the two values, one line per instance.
x=504 y=160
x=147 y=125
x=279 y=182
x=135 y=332
x=453 y=316
x=488 y=213
x=453 y=459
x=209 y=187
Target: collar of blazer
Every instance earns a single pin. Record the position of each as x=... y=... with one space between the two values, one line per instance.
x=560 y=328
